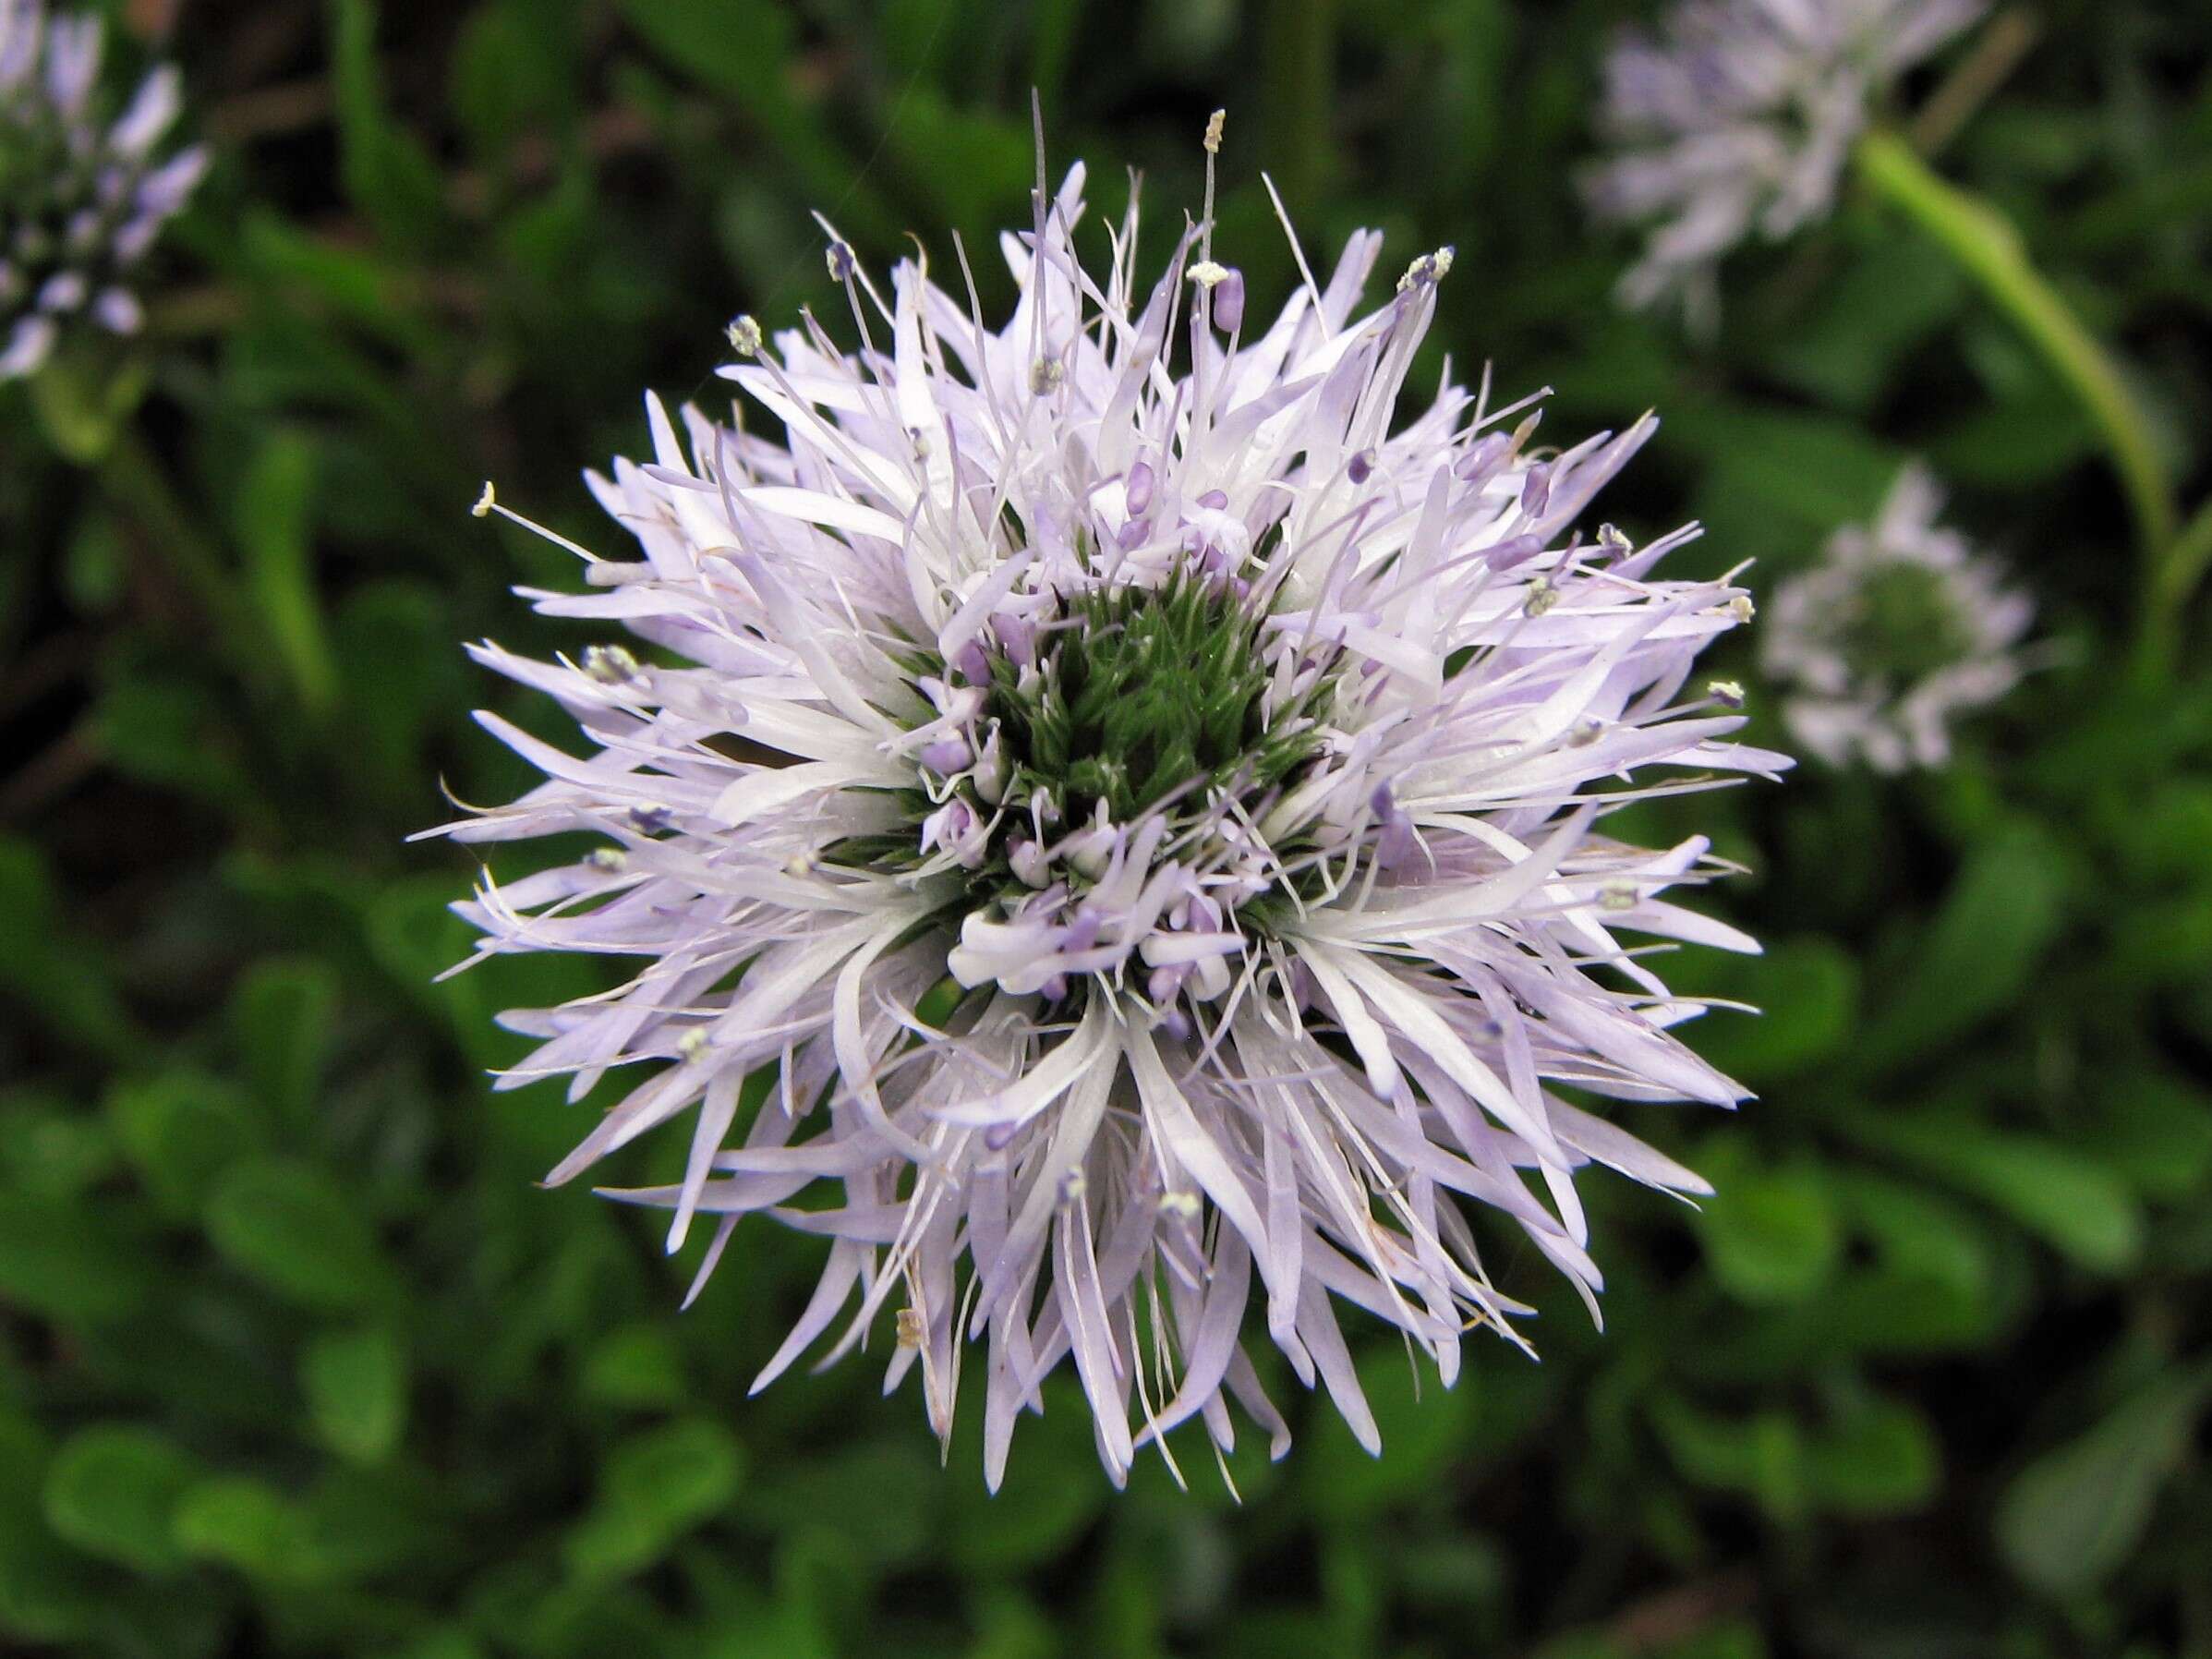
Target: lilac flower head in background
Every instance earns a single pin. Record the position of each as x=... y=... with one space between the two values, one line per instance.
x=1895 y=633
x=81 y=198
x=1737 y=120
x=1128 y=821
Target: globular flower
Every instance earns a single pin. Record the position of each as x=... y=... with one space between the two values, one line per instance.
x=82 y=198
x=1127 y=823
x=1737 y=119
x=1896 y=632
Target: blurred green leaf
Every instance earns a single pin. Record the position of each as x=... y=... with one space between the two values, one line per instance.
x=48 y=1591
x=1770 y=1236
x=1424 y=1427
x=357 y=1388
x=113 y=1492
x=2000 y=914
x=2157 y=1132
x=180 y=1131
x=1896 y=292
x=282 y=1013
x=296 y=1230
x=388 y=174
x=1880 y=1456
x=274 y=519
x=2075 y=1206
x=639 y=1366
x=62 y=978
x=67 y=1260
x=1806 y=990
x=654 y=1487
x=248 y=1524
x=2072 y=1517
x=740 y=49
x=1762 y=1456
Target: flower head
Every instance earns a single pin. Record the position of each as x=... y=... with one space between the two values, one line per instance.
x=81 y=198
x=1128 y=820
x=1738 y=119
x=1898 y=630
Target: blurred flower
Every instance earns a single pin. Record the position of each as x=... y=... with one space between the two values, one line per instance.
x=82 y=200
x=1131 y=831
x=1739 y=118
x=1898 y=629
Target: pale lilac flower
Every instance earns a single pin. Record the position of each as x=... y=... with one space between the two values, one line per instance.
x=1896 y=632
x=82 y=196
x=1737 y=120
x=1250 y=951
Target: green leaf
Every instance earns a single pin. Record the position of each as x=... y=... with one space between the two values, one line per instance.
x=2075 y=1514
x=2002 y=913
x=296 y=1230
x=67 y=1260
x=2157 y=1134
x=1770 y=1236
x=654 y=1488
x=639 y=1366
x=59 y=977
x=249 y=1525
x=1422 y=1437
x=48 y=1591
x=282 y=1013
x=1806 y=990
x=180 y=1131
x=1879 y=1458
x=52 y=1147
x=741 y=49
x=356 y=1389
x=388 y=174
x=113 y=1491
x=1762 y=1456
x=1897 y=293
x=274 y=520
x=2078 y=1207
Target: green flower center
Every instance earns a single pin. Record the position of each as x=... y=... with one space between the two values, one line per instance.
x=1140 y=693
x=1902 y=623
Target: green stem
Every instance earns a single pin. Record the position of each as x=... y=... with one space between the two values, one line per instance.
x=1988 y=249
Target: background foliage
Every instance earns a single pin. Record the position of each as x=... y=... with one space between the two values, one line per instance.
x=296 y=1359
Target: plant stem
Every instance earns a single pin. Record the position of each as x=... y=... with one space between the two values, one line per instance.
x=1988 y=249
x=1994 y=57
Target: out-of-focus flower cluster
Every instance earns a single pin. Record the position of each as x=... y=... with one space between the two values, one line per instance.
x=1897 y=631
x=83 y=197
x=1737 y=119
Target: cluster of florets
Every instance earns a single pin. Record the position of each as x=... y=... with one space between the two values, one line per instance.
x=82 y=200
x=1738 y=119
x=1129 y=818
x=1896 y=632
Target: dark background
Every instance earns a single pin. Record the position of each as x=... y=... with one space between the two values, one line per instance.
x=295 y=1357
